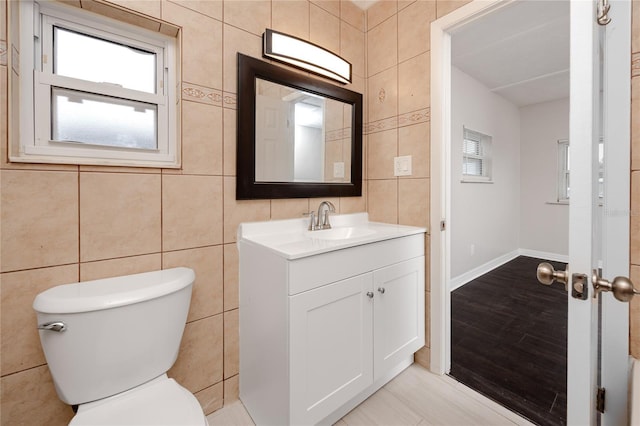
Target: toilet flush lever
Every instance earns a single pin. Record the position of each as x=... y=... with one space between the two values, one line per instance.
x=58 y=326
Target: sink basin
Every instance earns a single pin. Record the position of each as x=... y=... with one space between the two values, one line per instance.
x=344 y=233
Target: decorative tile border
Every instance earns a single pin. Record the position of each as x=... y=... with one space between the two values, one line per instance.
x=229 y=100
x=414 y=117
x=635 y=64
x=339 y=134
x=381 y=125
x=15 y=60
x=3 y=52
x=206 y=95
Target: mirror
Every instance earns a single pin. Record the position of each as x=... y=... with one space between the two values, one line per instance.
x=297 y=136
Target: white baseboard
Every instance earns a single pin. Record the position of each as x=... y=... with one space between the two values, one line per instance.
x=478 y=271
x=545 y=255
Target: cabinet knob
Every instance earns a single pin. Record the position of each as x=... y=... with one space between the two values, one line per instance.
x=370 y=294
x=381 y=290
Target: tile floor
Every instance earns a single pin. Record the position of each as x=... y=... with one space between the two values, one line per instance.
x=414 y=397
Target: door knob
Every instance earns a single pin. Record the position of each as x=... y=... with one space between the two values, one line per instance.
x=547 y=275
x=621 y=287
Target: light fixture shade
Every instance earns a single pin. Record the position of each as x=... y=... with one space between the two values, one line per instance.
x=308 y=56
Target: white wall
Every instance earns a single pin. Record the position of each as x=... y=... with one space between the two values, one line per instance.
x=543 y=226
x=484 y=217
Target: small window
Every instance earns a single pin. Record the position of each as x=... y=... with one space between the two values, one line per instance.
x=564 y=184
x=564 y=162
x=476 y=157
x=97 y=91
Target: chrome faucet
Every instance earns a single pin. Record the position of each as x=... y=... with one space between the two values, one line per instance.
x=320 y=220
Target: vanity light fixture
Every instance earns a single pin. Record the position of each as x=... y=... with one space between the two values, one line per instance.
x=302 y=54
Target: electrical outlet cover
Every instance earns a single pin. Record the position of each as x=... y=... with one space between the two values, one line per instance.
x=402 y=166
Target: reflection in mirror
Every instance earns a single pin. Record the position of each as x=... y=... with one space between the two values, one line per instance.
x=301 y=136
x=297 y=136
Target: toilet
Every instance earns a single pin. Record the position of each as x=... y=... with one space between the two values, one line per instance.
x=109 y=344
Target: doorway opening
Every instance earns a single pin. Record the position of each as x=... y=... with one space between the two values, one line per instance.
x=509 y=83
x=598 y=236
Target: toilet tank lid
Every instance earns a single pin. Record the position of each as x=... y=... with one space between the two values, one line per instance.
x=110 y=293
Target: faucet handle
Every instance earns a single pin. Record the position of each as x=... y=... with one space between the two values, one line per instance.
x=312 y=220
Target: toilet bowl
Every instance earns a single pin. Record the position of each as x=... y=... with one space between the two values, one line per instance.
x=110 y=342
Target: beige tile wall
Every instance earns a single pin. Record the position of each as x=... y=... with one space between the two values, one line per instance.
x=398 y=115
x=62 y=224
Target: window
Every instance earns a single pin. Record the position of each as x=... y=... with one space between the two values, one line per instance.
x=95 y=90
x=564 y=187
x=476 y=157
x=564 y=183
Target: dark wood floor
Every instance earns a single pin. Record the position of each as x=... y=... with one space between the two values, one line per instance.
x=509 y=340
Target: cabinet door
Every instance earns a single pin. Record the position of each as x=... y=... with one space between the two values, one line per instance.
x=331 y=343
x=398 y=319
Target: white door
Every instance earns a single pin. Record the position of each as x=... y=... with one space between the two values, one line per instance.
x=398 y=320
x=598 y=211
x=274 y=140
x=599 y=227
x=331 y=344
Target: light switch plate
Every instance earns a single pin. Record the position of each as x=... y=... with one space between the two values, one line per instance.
x=402 y=166
x=338 y=170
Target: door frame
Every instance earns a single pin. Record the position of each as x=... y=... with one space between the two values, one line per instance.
x=440 y=238
x=617 y=117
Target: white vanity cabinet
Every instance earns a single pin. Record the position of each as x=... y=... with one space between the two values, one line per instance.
x=320 y=333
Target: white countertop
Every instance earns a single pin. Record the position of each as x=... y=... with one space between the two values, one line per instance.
x=291 y=239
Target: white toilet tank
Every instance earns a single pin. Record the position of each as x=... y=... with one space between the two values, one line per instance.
x=118 y=332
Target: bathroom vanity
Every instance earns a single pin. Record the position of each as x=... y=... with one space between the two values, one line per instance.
x=326 y=317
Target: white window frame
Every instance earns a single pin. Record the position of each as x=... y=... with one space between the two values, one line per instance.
x=37 y=78
x=563 y=184
x=563 y=171
x=485 y=156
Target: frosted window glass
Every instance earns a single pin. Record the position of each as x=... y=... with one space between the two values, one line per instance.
x=93 y=59
x=102 y=120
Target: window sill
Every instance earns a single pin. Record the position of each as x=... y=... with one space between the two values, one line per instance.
x=566 y=203
x=467 y=180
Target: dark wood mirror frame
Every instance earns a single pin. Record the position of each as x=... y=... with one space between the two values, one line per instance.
x=246 y=187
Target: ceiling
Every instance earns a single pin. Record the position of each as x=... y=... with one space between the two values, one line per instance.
x=520 y=52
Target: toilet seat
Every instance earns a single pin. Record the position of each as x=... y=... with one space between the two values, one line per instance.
x=161 y=401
